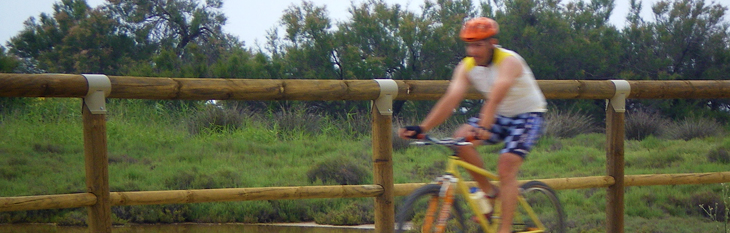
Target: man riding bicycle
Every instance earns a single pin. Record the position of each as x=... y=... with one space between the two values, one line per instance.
x=512 y=111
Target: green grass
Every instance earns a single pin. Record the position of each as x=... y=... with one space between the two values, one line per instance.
x=151 y=147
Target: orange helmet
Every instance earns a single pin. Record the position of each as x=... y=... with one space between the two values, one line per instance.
x=479 y=29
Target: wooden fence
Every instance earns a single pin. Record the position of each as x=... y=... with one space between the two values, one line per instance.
x=98 y=199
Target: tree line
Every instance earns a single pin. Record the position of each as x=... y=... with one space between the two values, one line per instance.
x=561 y=40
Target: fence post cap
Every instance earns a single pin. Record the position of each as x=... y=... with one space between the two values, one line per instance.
x=99 y=88
x=618 y=101
x=388 y=92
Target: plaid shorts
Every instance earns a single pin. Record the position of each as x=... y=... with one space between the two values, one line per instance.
x=519 y=133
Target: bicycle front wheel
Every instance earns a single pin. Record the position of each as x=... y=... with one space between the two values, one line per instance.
x=544 y=213
x=423 y=209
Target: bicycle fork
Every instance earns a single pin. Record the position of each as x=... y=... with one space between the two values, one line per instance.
x=446 y=194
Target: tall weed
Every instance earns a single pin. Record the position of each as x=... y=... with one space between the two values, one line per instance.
x=691 y=128
x=720 y=154
x=339 y=170
x=719 y=211
x=355 y=213
x=641 y=124
x=296 y=122
x=568 y=124
x=216 y=119
x=354 y=125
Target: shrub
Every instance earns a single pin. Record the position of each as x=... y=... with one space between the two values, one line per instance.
x=297 y=120
x=692 y=128
x=641 y=124
x=355 y=125
x=193 y=179
x=7 y=104
x=340 y=170
x=720 y=154
x=568 y=124
x=707 y=200
x=215 y=119
x=354 y=214
x=73 y=218
x=658 y=160
x=428 y=171
x=172 y=213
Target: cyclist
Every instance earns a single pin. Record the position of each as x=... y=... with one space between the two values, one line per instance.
x=512 y=111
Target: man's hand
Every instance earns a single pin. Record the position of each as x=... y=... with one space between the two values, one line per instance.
x=410 y=132
x=480 y=133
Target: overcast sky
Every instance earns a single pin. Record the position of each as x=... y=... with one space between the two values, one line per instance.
x=249 y=19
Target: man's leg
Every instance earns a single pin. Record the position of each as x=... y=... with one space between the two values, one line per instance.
x=507 y=167
x=470 y=155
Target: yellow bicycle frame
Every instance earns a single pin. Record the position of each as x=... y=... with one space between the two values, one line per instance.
x=454 y=162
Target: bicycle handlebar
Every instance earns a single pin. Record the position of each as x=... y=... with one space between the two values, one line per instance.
x=428 y=140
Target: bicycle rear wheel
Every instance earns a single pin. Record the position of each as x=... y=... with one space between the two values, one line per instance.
x=546 y=206
x=413 y=214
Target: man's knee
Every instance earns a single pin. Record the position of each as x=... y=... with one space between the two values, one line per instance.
x=508 y=165
x=463 y=131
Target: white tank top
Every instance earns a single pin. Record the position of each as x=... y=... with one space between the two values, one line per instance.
x=524 y=96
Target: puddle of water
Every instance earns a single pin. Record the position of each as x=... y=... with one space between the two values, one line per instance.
x=181 y=228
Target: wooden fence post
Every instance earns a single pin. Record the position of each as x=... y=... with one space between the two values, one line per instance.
x=382 y=155
x=95 y=153
x=615 y=110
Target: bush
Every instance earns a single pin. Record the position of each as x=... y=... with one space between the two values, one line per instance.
x=215 y=119
x=720 y=154
x=73 y=218
x=355 y=125
x=354 y=214
x=193 y=179
x=641 y=124
x=692 y=128
x=172 y=213
x=568 y=124
x=7 y=104
x=297 y=120
x=658 y=160
x=707 y=200
x=341 y=170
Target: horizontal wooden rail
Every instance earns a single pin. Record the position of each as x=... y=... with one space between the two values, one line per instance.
x=41 y=202
x=61 y=201
x=697 y=89
x=556 y=183
x=675 y=179
x=126 y=87
x=243 y=194
x=307 y=192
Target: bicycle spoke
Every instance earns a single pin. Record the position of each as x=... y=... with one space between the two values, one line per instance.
x=545 y=214
x=423 y=210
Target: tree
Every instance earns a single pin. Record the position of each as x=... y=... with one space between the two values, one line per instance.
x=370 y=44
x=309 y=43
x=170 y=24
x=8 y=63
x=688 y=35
x=76 y=39
x=561 y=41
x=442 y=49
x=688 y=39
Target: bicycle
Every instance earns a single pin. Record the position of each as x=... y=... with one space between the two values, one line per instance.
x=539 y=209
